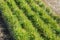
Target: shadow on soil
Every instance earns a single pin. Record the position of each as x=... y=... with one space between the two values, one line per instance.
x=6 y=32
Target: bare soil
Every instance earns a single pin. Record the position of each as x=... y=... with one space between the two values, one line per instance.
x=54 y=4
x=4 y=32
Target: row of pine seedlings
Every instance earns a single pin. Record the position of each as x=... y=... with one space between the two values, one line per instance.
x=29 y=20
